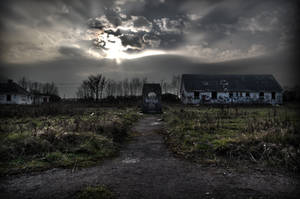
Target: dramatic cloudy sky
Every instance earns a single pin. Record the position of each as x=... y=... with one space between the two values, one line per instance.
x=65 y=41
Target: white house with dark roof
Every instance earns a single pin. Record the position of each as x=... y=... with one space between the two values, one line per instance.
x=225 y=89
x=12 y=93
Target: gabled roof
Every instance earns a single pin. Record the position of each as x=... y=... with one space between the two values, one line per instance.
x=254 y=83
x=11 y=87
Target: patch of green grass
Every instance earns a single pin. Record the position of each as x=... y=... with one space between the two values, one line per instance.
x=267 y=135
x=28 y=143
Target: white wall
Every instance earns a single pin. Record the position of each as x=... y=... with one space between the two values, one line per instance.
x=223 y=97
x=2 y=99
x=15 y=99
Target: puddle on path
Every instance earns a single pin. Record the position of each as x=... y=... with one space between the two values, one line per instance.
x=155 y=123
x=130 y=160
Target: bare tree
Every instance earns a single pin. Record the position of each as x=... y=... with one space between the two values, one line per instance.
x=163 y=85
x=125 y=87
x=49 y=89
x=83 y=91
x=24 y=83
x=134 y=86
x=119 y=88
x=87 y=90
x=176 y=83
x=37 y=87
x=93 y=87
x=80 y=93
x=95 y=84
x=102 y=86
x=110 y=87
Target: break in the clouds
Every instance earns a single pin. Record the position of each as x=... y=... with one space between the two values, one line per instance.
x=109 y=34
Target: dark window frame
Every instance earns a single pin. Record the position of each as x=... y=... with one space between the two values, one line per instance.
x=230 y=94
x=247 y=94
x=8 y=98
x=196 y=95
x=273 y=95
x=214 y=94
x=261 y=94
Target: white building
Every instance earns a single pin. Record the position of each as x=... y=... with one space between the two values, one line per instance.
x=226 y=89
x=12 y=93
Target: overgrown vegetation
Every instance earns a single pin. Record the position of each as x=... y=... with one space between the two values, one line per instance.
x=95 y=192
x=263 y=134
x=71 y=136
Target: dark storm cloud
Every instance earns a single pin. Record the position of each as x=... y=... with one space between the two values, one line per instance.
x=132 y=40
x=244 y=18
x=70 y=52
x=220 y=20
x=154 y=9
x=163 y=33
x=243 y=24
x=94 y=23
x=36 y=12
x=141 y=21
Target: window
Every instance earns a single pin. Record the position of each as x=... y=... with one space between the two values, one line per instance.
x=231 y=94
x=273 y=95
x=8 y=98
x=214 y=95
x=261 y=94
x=247 y=94
x=196 y=95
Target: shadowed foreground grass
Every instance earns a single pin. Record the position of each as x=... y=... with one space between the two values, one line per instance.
x=77 y=139
x=260 y=134
x=95 y=192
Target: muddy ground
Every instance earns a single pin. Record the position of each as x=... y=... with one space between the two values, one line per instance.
x=146 y=169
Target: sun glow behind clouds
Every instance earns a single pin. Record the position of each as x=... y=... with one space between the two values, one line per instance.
x=111 y=47
x=118 y=56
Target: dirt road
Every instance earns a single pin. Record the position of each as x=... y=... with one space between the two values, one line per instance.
x=146 y=169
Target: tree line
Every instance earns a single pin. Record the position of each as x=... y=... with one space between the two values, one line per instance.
x=38 y=87
x=97 y=87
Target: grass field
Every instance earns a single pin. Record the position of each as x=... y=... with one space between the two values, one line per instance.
x=34 y=138
x=262 y=135
x=72 y=136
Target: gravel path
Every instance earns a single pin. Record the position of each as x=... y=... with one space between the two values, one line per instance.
x=146 y=169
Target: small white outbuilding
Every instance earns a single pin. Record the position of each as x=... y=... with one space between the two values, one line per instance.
x=12 y=93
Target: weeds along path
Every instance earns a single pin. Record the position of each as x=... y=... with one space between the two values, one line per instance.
x=146 y=169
